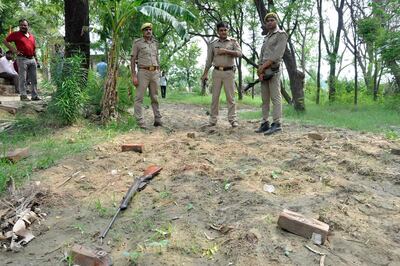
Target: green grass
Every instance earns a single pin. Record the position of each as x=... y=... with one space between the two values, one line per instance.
x=48 y=145
x=371 y=117
x=196 y=99
x=368 y=117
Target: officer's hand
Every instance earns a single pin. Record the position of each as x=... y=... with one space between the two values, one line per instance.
x=221 y=51
x=135 y=81
x=260 y=70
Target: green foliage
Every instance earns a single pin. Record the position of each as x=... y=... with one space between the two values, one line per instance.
x=167 y=12
x=94 y=90
x=184 y=74
x=125 y=89
x=71 y=96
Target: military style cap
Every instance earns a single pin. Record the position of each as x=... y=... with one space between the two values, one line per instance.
x=271 y=15
x=146 y=25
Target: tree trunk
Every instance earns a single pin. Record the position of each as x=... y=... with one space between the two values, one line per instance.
x=333 y=51
x=110 y=98
x=77 y=39
x=395 y=71
x=319 y=6
x=296 y=77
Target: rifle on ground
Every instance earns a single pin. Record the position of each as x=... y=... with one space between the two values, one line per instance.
x=139 y=184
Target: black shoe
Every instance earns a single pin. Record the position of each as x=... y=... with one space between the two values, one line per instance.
x=263 y=127
x=157 y=124
x=275 y=127
x=24 y=98
x=36 y=98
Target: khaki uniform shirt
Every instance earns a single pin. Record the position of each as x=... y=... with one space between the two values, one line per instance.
x=145 y=53
x=273 y=47
x=222 y=60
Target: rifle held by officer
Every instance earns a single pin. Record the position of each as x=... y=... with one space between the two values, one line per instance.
x=139 y=184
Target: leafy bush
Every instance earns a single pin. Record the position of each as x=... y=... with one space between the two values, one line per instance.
x=95 y=90
x=70 y=96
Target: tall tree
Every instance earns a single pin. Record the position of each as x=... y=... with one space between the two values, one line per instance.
x=332 y=45
x=77 y=39
x=320 y=24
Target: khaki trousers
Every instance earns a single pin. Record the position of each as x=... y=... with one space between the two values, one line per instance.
x=147 y=79
x=271 y=91
x=227 y=79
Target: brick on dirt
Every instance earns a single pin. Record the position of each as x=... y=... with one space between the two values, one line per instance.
x=132 y=147
x=16 y=155
x=300 y=225
x=84 y=256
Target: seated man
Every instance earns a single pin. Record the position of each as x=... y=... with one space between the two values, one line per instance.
x=7 y=69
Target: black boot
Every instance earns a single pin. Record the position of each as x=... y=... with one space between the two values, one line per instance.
x=275 y=127
x=263 y=127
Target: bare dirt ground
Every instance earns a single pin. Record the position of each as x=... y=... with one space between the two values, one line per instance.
x=208 y=205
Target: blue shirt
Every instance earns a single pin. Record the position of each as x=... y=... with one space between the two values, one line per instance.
x=101 y=68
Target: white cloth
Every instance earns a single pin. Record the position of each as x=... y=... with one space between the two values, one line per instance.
x=163 y=81
x=7 y=66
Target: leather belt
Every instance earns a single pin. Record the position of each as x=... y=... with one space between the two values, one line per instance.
x=221 y=68
x=151 y=68
x=25 y=56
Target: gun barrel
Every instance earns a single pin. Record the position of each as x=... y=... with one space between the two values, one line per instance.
x=149 y=173
x=103 y=235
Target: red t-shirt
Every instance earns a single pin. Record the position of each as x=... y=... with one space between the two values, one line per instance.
x=24 y=44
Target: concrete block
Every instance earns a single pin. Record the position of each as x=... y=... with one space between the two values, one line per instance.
x=132 y=147
x=300 y=225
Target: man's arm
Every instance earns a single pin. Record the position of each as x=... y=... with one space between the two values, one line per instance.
x=236 y=52
x=133 y=64
x=10 y=47
x=210 y=56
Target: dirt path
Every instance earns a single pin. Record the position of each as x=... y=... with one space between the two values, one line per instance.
x=349 y=180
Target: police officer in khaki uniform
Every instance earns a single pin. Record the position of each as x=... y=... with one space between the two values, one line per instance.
x=270 y=58
x=221 y=54
x=145 y=56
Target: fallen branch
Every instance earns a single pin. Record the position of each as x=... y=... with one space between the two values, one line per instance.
x=315 y=251
x=66 y=180
x=322 y=260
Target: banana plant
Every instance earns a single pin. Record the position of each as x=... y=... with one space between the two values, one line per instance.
x=115 y=15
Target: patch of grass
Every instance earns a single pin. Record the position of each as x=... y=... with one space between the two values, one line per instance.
x=368 y=117
x=132 y=256
x=197 y=99
x=210 y=251
x=48 y=143
x=100 y=209
x=165 y=194
x=79 y=227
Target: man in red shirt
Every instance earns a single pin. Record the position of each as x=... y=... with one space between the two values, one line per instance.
x=25 y=47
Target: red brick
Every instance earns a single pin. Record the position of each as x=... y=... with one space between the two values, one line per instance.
x=84 y=256
x=16 y=155
x=132 y=147
x=300 y=225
